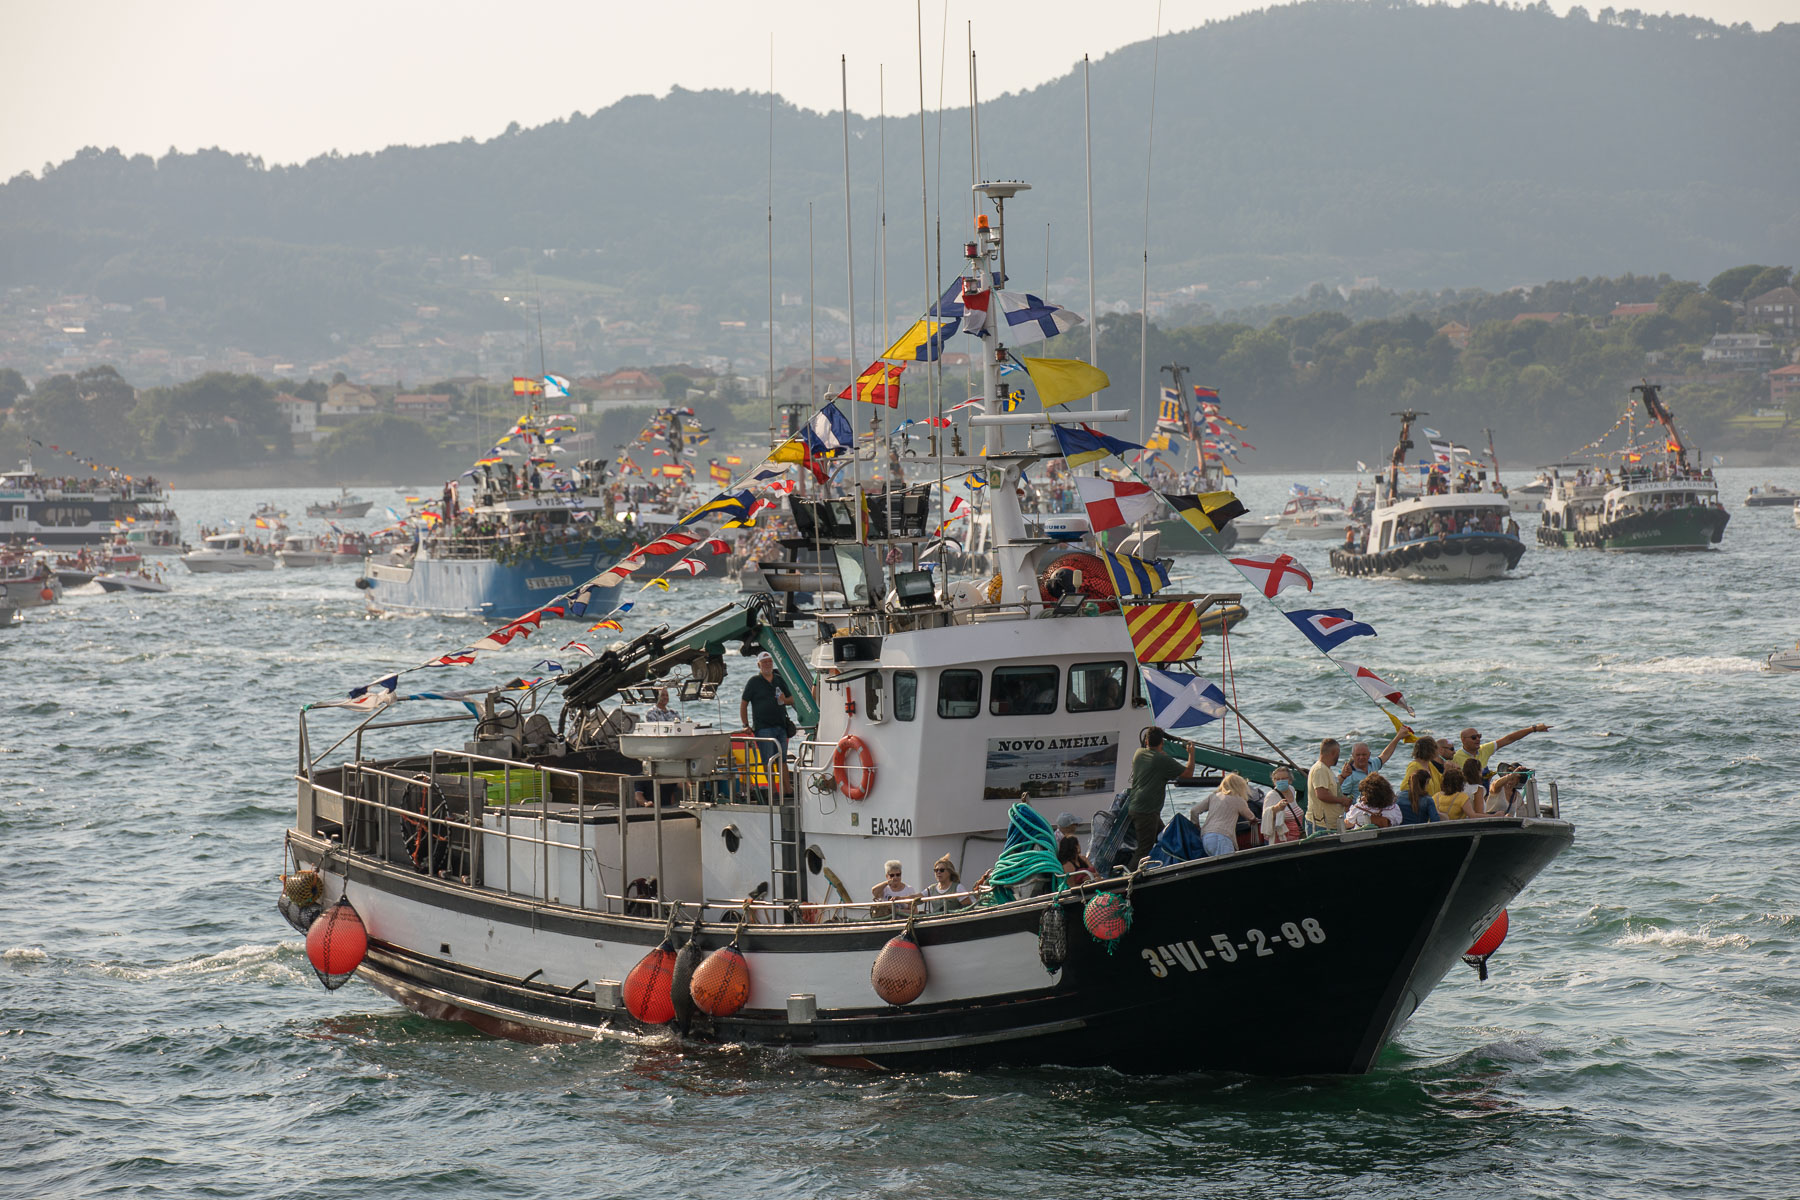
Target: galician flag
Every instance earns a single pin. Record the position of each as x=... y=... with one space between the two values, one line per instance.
x=1183 y=701
x=1112 y=503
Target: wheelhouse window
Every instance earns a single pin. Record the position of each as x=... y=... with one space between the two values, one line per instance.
x=906 y=695
x=1096 y=687
x=1023 y=691
x=959 y=694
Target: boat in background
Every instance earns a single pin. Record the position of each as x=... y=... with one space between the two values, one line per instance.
x=305 y=550
x=224 y=553
x=133 y=581
x=1785 y=660
x=70 y=513
x=25 y=582
x=345 y=505
x=1658 y=501
x=1771 y=495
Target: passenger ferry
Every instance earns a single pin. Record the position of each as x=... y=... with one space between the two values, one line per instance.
x=68 y=513
x=1659 y=502
x=567 y=876
x=1433 y=535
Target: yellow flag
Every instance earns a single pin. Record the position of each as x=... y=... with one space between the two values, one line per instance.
x=917 y=344
x=1399 y=728
x=1060 y=380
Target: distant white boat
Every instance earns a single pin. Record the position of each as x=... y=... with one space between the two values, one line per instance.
x=1785 y=660
x=135 y=582
x=305 y=550
x=224 y=552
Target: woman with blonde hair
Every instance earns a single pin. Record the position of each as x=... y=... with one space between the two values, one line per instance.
x=1223 y=810
x=947 y=892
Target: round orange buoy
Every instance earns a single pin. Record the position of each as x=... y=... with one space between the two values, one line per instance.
x=647 y=993
x=48 y=595
x=1478 y=954
x=1107 y=917
x=841 y=766
x=898 y=975
x=336 y=944
x=721 y=984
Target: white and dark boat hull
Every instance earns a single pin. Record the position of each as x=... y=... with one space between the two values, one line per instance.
x=1261 y=931
x=1463 y=558
x=203 y=563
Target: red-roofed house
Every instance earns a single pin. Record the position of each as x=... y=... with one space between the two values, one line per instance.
x=422 y=404
x=1784 y=386
x=1546 y=318
x=1456 y=333
x=628 y=384
x=1624 y=312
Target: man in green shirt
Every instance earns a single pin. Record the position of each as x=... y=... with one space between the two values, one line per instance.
x=1151 y=772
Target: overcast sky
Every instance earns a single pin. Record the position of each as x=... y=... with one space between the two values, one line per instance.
x=291 y=80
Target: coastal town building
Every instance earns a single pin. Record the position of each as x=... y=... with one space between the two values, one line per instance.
x=302 y=418
x=1742 y=351
x=422 y=405
x=1784 y=387
x=1779 y=309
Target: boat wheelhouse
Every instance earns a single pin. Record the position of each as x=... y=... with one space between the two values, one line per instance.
x=70 y=513
x=223 y=553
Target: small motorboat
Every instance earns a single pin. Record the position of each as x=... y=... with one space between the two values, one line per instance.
x=134 y=581
x=224 y=552
x=1770 y=495
x=345 y=505
x=1785 y=660
x=304 y=550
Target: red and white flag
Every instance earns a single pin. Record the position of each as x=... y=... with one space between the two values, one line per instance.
x=1272 y=576
x=975 y=310
x=715 y=546
x=669 y=543
x=687 y=566
x=1112 y=502
x=1377 y=687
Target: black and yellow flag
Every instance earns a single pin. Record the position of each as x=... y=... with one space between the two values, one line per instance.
x=1208 y=512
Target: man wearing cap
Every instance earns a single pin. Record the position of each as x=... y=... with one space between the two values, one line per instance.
x=761 y=709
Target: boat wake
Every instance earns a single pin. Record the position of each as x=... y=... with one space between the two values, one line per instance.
x=1683 y=939
x=25 y=954
x=1687 y=664
x=278 y=963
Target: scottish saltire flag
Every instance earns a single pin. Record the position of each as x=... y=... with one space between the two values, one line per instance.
x=1272 y=576
x=1029 y=319
x=1328 y=628
x=1183 y=701
x=1135 y=576
x=829 y=431
x=1111 y=503
x=1083 y=444
x=556 y=387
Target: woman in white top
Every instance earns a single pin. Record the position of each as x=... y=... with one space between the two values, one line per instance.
x=1375 y=806
x=1282 y=820
x=893 y=887
x=1223 y=810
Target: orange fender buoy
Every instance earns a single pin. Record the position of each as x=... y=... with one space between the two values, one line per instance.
x=898 y=975
x=841 y=766
x=1486 y=945
x=336 y=944
x=721 y=984
x=1107 y=917
x=647 y=993
x=47 y=595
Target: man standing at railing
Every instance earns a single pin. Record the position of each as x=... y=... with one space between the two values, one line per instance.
x=762 y=708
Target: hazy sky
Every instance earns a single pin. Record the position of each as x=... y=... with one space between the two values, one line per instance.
x=291 y=80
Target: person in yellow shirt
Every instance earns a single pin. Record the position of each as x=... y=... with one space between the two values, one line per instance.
x=1324 y=803
x=1454 y=802
x=1422 y=777
x=1473 y=747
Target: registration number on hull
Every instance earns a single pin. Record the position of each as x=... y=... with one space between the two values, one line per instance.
x=1191 y=957
x=534 y=582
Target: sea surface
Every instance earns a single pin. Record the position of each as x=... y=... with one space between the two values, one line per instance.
x=161 y=1033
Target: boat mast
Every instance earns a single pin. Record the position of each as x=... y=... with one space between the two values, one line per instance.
x=1492 y=457
x=771 y=381
x=850 y=277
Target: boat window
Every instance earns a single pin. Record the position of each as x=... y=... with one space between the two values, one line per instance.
x=959 y=694
x=1023 y=691
x=872 y=696
x=906 y=695
x=1096 y=687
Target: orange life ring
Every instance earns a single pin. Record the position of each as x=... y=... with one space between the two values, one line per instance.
x=841 y=767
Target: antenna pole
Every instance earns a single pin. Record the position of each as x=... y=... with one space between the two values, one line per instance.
x=850 y=271
x=771 y=380
x=1149 y=158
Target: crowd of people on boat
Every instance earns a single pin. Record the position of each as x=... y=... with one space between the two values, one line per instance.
x=83 y=485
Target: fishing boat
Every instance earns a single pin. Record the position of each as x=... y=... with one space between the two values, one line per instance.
x=226 y=553
x=1658 y=501
x=1432 y=535
x=71 y=513
x=345 y=505
x=305 y=550
x=25 y=582
x=525 y=536
x=561 y=876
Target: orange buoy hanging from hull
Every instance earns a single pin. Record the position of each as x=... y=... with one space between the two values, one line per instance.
x=1485 y=946
x=721 y=984
x=648 y=996
x=1107 y=917
x=336 y=944
x=898 y=974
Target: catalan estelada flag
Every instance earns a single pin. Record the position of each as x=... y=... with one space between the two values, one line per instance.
x=1163 y=633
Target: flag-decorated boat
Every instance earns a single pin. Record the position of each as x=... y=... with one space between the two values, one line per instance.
x=1655 y=500
x=86 y=511
x=1443 y=533
x=553 y=870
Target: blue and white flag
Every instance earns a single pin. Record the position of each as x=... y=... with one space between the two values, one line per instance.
x=1430 y=433
x=556 y=387
x=1183 y=701
x=1029 y=319
x=829 y=431
x=1328 y=628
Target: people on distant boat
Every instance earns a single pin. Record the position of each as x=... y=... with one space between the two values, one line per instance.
x=1325 y=804
x=1375 y=806
x=893 y=887
x=946 y=892
x=1219 y=813
x=662 y=712
x=1152 y=770
x=1282 y=820
x=1473 y=747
